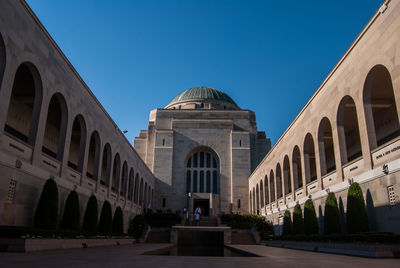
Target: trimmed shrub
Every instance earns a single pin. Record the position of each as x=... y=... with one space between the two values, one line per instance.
x=310 y=218
x=297 y=220
x=248 y=221
x=332 y=217
x=46 y=214
x=287 y=223
x=71 y=218
x=356 y=215
x=137 y=226
x=118 y=222
x=90 y=219
x=105 y=223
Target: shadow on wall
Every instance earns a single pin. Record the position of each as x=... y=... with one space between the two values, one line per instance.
x=342 y=215
x=371 y=211
x=320 y=220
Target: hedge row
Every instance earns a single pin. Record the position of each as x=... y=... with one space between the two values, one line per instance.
x=248 y=221
x=350 y=238
x=356 y=216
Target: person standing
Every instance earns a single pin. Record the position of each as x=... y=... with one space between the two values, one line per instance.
x=185 y=215
x=197 y=214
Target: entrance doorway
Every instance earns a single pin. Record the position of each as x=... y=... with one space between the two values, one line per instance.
x=204 y=204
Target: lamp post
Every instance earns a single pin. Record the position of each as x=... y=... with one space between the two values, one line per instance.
x=189 y=195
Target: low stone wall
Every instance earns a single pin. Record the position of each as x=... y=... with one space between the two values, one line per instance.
x=227 y=232
x=353 y=249
x=40 y=244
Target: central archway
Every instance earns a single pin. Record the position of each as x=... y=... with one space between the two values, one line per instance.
x=202 y=179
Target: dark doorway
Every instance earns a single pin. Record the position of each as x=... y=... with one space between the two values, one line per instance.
x=204 y=204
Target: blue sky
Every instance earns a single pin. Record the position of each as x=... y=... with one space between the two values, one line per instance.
x=269 y=56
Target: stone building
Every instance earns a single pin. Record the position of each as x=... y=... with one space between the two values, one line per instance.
x=348 y=132
x=202 y=148
x=52 y=126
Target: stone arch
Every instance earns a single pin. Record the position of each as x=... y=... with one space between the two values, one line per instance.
x=348 y=130
x=149 y=201
x=202 y=171
x=251 y=201
x=325 y=146
x=296 y=167
x=262 y=193
x=141 y=192
x=266 y=190
x=278 y=176
x=272 y=186
x=136 y=196
x=309 y=159
x=124 y=179
x=257 y=200
x=106 y=166
x=3 y=59
x=77 y=144
x=380 y=107
x=25 y=104
x=131 y=184
x=116 y=173
x=254 y=200
x=93 y=161
x=56 y=127
x=286 y=175
x=145 y=195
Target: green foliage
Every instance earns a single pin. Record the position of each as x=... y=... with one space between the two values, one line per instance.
x=248 y=221
x=287 y=223
x=105 y=223
x=332 y=216
x=90 y=219
x=160 y=219
x=310 y=218
x=46 y=215
x=71 y=218
x=137 y=226
x=357 y=217
x=118 y=221
x=297 y=220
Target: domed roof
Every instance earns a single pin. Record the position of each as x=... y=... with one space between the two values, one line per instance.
x=202 y=93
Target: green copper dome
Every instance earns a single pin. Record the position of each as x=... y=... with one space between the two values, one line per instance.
x=202 y=93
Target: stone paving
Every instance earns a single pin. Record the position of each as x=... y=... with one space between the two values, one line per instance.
x=129 y=256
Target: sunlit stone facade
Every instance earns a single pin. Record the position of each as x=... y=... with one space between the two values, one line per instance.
x=347 y=132
x=52 y=126
x=202 y=148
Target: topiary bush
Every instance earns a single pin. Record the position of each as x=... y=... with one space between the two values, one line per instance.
x=118 y=222
x=310 y=218
x=46 y=214
x=332 y=216
x=248 y=221
x=71 y=217
x=90 y=219
x=137 y=226
x=356 y=214
x=297 y=220
x=105 y=223
x=287 y=223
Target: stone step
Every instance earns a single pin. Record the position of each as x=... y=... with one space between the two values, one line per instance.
x=208 y=221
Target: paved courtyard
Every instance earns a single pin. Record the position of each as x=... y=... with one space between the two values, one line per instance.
x=129 y=256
